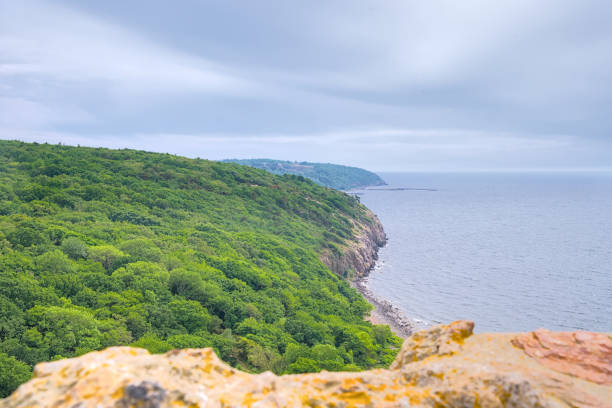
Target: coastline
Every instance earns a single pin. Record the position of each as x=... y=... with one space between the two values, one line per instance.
x=373 y=237
x=384 y=312
x=356 y=262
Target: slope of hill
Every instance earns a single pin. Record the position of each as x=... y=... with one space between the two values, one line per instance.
x=326 y=174
x=104 y=247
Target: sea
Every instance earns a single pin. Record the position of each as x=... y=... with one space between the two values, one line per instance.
x=510 y=251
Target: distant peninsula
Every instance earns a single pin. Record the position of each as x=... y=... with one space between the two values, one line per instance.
x=326 y=174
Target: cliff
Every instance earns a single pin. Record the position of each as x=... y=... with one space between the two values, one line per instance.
x=445 y=366
x=359 y=255
x=356 y=260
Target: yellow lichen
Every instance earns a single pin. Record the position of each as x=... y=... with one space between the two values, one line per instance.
x=355 y=398
x=376 y=388
x=249 y=399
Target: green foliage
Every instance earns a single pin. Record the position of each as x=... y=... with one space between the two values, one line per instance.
x=114 y=247
x=75 y=248
x=326 y=174
x=12 y=373
x=141 y=250
x=153 y=343
x=107 y=255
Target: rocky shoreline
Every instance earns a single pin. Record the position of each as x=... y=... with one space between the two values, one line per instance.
x=360 y=256
x=384 y=311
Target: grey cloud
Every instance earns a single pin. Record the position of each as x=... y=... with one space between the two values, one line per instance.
x=471 y=84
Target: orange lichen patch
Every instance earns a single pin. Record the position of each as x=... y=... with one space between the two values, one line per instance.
x=348 y=382
x=460 y=330
x=395 y=387
x=118 y=394
x=391 y=397
x=249 y=399
x=376 y=388
x=64 y=371
x=91 y=393
x=321 y=383
x=416 y=397
x=355 y=398
x=181 y=403
x=206 y=369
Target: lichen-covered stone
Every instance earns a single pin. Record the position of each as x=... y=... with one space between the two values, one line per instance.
x=445 y=366
x=439 y=340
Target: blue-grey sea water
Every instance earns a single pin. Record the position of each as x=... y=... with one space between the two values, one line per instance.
x=513 y=252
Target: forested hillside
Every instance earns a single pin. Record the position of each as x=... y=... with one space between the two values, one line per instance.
x=106 y=247
x=326 y=174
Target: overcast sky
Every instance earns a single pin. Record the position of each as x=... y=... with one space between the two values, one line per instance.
x=381 y=84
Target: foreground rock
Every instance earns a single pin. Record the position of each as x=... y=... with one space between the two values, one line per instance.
x=445 y=366
x=582 y=354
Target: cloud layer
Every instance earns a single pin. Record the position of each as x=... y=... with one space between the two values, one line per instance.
x=397 y=85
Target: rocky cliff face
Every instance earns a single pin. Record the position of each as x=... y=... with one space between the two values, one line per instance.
x=361 y=254
x=445 y=366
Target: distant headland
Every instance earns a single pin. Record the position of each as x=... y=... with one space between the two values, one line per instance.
x=326 y=174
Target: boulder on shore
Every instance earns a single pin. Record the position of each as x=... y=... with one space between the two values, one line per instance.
x=445 y=366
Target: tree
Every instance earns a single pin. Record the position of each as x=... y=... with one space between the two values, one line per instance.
x=305 y=329
x=304 y=365
x=107 y=255
x=143 y=276
x=190 y=314
x=26 y=234
x=64 y=330
x=11 y=319
x=142 y=250
x=152 y=343
x=12 y=373
x=54 y=263
x=75 y=248
x=189 y=341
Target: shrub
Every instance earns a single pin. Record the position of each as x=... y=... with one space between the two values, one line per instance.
x=12 y=373
x=75 y=248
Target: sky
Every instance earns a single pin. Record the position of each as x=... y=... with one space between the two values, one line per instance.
x=392 y=85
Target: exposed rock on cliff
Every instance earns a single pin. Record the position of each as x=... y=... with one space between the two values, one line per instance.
x=357 y=260
x=445 y=366
x=361 y=254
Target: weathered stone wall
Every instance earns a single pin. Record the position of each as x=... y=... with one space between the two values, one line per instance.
x=445 y=366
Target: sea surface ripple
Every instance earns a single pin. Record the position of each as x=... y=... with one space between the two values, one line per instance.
x=513 y=252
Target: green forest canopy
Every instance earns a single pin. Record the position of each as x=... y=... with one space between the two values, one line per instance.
x=104 y=247
x=326 y=174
